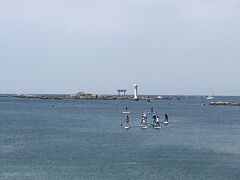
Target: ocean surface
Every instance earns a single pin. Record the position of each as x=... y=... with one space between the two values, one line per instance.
x=83 y=139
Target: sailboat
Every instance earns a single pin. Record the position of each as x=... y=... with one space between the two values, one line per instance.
x=209 y=97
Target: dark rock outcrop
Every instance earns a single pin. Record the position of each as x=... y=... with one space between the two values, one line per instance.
x=224 y=103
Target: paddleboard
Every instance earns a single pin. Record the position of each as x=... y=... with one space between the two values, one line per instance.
x=157 y=127
x=144 y=127
x=127 y=127
x=165 y=122
x=125 y=112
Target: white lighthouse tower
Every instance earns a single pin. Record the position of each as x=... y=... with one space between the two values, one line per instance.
x=135 y=92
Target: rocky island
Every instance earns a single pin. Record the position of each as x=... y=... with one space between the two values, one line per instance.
x=90 y=96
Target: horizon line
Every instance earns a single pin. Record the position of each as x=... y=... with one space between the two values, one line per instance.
x=117 y=94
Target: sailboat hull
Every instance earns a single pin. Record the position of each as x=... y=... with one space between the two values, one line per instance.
x=209 y=97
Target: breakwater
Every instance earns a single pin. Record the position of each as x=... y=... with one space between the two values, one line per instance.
x=224 y=103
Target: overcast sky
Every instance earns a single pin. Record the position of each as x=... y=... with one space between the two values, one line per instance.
x=98 y=46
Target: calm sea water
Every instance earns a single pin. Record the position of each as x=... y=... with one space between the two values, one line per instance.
x=84 y=140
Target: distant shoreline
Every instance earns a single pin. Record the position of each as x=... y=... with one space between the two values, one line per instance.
x=88 y=96
x=152 y=95
x=103 y=96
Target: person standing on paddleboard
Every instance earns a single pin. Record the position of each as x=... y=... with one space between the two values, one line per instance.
x=154 y=118
x=144 y=119
x=127 y=121
x=157 y=122
x=166 y=117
